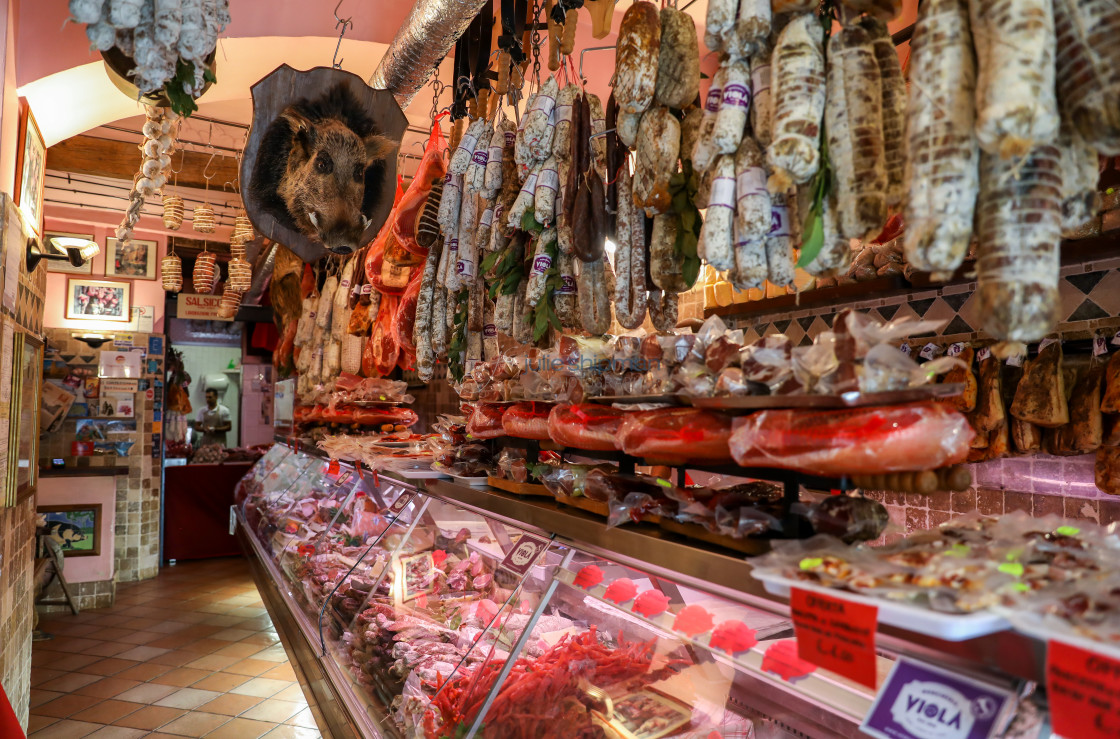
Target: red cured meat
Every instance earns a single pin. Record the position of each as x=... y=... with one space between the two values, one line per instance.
x=693 y=620
x=486 y=421
x=733 y=637
x=586 y=426
x=677 y=435
x=621 y=590
x=588 y=577
x=349 y=414
x=528 y=420
x=651 y=603
x=405 y=318
x=781 y=659
x=854 y=441
x=382 y=350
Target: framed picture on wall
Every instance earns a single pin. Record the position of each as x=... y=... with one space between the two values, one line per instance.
x=76 y=528
x=31 y=169
x=61 y=266
x=135 y=258
x=98 y=300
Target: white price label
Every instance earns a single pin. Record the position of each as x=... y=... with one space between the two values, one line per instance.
x=1016 y=360
x=930 y=351
x=1045 y=343
x=905 y=349
x=1100 y=346
x=955 y=349
x=1116 y=339
x=984 y=354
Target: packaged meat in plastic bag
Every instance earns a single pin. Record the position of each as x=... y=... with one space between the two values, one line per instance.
x=585 y=426
x=695 y=379
x=527 y=420
x=768 y=361
x=849 y=518
x=512 y=465
x=641 y=506
x=406 y=214
x=471 y=460
x=569 y=479
x=677 y=436
x=382 y=350
x=486 y=421
x=906 y=438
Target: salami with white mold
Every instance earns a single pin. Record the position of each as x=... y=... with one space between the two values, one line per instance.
x=716 y=235
x=752 y=199
x=594 y=296
x=541 y=264
x=762 y=107
x=779 y=242
x=704 y=152
x=629 y=258
x=627 y=130
x=893 y=88
x=752 y=24
x=638 y=50
x=656 y=154
x=492 y=177
x=565 y=114
x=663 y=310
x=882 y=10
x=678 y=65
x=464 y=153
x=544 y=196
x=734 y=107
x=836 y=251
x=1016 y=102
x=664 y=263
x=1088 y=69
x=475 y=177
x=798 y=94
x=1080 y=174
x=719 y=22
x=450 y=201
x=598 y=131
x=566 y=297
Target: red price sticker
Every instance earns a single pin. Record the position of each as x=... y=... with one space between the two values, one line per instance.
x=835 y=634
x=332 y=468
x=1084 y=692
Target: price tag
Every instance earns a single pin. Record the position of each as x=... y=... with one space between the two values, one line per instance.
x=524 y=554
x=930 y=351
x=332 y=467
x=1116 y=339
x=905 y=349
x=983 y=354
x=955 y=349
x=1045 y=343
x=1100 y=346
x=1084 y=692
x=1015 y=360
x=400 y=503
x=835 y=634
x=919 y=701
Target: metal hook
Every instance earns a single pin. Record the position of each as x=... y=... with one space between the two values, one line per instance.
x=584 y=51
x=345 y=23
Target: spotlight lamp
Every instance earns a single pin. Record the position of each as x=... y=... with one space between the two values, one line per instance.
x=69 y=249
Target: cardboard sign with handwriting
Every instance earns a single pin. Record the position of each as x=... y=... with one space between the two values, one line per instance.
x=835 y=634
x=1084 y=692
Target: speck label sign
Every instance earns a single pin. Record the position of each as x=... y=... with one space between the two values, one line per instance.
x=1084 y=692
x=835 y=634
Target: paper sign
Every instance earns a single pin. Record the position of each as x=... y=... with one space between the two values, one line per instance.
x=835 y=634
x=201 y=307
x=955 y=349
x=400 y=503
x=1116 y=339
x=155 y=345
x=905 y=349
x=1015 y=360
x=919 y=701
x=1045 y=343
x=118 y=385
x=1100 y=346
x=983 y=354
x=1084 y=692
x=118 y=364
x=524 y=554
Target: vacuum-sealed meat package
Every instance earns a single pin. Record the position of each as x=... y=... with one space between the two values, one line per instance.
x=527 y=420
x=486 y=421
x=677 y=436
x=585 y=426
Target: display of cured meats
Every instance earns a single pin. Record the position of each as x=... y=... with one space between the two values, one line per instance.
x=677 y=435
x=585 y=426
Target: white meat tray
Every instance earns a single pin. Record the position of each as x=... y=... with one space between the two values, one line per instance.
x=947 y=626
x=1033 y=625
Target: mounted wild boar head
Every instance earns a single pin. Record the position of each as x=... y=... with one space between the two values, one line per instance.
x=321 y=167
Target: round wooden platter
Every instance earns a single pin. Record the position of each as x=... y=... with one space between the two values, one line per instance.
x=519 y=488
x=695 y=531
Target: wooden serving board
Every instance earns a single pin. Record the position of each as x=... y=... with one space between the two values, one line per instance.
x=585 y=504
x=518 y=488
x=695 y=531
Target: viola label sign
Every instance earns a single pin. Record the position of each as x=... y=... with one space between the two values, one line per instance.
x=919 y=701
x=524 y=554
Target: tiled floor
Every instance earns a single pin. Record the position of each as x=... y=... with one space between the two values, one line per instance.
x=191 y=653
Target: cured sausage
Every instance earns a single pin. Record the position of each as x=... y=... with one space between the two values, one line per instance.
x=799 y=101
x=542 y=263
x=544 y=196
x=881 y=10
x=629 y=258
x=1080 y=201
x=854 y=124
x=449 y=202
x=594 y=296
x=565 y=299
x=466 y=265
x=1088 y=70
x=762 y=108
x=663 y=310
x=893 y=89
x=598 y=131
x=752 y=199
x=1019 y=234
x=836 y=252
x=940 y=134
x=656 y=154
x=475 y=176
x=664 y=264
x=719 y=22
x=464 y=153
x=1016 y=102
x=779 y=242
x=627 y=130
x=490 y=349
x=690 y=131
x=704 y=152
x=678 y=64
x=422 y=325
x=639 y=47
x=565 y=113
x=733 y=108
x=716 y=235
x=504 y=134
x=538 y=126
x=752 y=25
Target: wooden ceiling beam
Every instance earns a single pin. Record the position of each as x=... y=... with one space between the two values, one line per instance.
x=120 y=160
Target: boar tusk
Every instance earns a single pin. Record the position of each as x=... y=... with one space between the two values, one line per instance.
x=365 y=222
x=314 y=218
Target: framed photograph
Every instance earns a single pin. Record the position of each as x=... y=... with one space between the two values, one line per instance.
x=648 y=715
x=31 y=168
x=76 y=528
x=135 y=259
x=59 y=266
x=97 y=300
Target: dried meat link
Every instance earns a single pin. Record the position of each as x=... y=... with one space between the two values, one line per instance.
x=655 y=159
x=719 y=21
x=461 y=159
x=752 y=24
x=715 y=245
x=1016 y=102
x=422 y=326
x=448 y=257
x=628 y=124
x=540 y=121
x=690 y=131
x=798 y=96
x=1080 y=174
x=663 y=310
x=639 y=274
x=639 y=46
x=542 y=263
x=594 y=297
x=524 y=200
x=544 y=196
x=854 y=124
x=521 y=154
x=734 y=107
x=943 y=175
x=1019 y=234
x=503 y=136
x=882 y=10
x=565 y=113
x=762 y=100
x=598 y=128
x=522 y=316
x=893 y=88
x=475 y=177
x=704 y=153
x=566 y=297
x=752 y=199
x=779 y=242
x=678 y=63
x=498 y=239
x=503 y=313
x=750 y=262
x=476 y=305
x=623 y=239
x=836 y=252
x=490 y=350
x=485 y=224
x=1088 y=70
x=664 y=264
x=467 y=262
x=449 y=203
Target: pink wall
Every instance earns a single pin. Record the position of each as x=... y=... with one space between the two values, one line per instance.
x=9 y=103
x=86 y=490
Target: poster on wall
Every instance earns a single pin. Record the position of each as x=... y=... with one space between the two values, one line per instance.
x=135 y=258
x=58 y=265
x=97 y=300
x=118 y=364
x=31 y=169
x=76 y=528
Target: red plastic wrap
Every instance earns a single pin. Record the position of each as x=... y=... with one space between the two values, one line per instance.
x=585 y=426
x=486 y=421
x=352 y=414
x=282 y=358
x=382 y=349
x=405 y=317
x=856 y=441
x=407 y=212
x=677 y=436
x=528 y=420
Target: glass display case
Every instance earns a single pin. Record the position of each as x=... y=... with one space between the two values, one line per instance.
x=432 y=618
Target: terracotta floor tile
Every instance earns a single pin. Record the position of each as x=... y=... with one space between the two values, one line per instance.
x=67 y=628
x=150 y=717
x=72 y=662
x=293 y=693
x=140 y=637
x=37 y=723
x=40 y=675
x=274 y=710
x=304 y=718
x=167 y=627
x=143 y=654
x=109 y=666
x=144 y=671
x=69 y=682
x=230 y=704
x=116 y=732
x=221 y=682
x=242 y=728
x=67 y=730
x=281 y=672
x=108 y=687
x=194 y=724
x=105 y=712
x=147 y=693
x=223 y=620
x=170 y=641
x=239 y=650
x=39 y=696
x=175 y=658
x=275 y=653
x=202 y=631
x=249 y=611
x=107 y=649
x=212 y=662
x=291 y=732
x=181 y=677
x=250 y=667
x=205 y=645
x=261 y=687
x=188 y=698
x=264 y=638
x=69 y=644
x=66 y=705
x=161 y=735
x=110 y=633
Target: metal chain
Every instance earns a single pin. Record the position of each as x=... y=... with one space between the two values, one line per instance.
x=535 y=42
